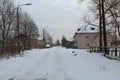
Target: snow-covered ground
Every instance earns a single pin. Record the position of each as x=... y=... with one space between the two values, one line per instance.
x=59 y=64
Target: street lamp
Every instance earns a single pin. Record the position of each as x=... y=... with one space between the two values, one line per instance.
x=27 y=4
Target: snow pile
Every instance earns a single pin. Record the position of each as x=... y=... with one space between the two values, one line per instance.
x=59 y=64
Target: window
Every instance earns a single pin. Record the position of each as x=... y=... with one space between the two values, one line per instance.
x=87 y=37
x=87 y=44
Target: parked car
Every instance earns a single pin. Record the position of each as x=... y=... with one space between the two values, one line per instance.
x=47 y=46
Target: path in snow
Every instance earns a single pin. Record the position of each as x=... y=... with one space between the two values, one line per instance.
x=38 y=65
x=26 y=68
x=58 y=71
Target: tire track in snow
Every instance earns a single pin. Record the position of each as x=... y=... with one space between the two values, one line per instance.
x=36 y=66
x=59 y=73
x=21 y=68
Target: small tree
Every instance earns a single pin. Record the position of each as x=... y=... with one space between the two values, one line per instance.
x=64 y=41
x=57 y=43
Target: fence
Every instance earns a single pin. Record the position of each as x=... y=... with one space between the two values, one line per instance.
x=111 y=50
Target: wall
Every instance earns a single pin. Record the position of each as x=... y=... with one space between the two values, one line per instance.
x=85 y=40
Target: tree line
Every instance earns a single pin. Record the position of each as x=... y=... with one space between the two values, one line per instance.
x=64 y=43
x=9 y=30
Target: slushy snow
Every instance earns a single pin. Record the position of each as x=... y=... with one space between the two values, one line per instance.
x=59 y=64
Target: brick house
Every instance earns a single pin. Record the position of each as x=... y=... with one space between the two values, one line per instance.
x=86 y=38
x=35 y=43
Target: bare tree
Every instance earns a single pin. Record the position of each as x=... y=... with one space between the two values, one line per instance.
x=104 y=13
x=48 y=38
x=6 y=20
x=28 y=28
x=9 y=29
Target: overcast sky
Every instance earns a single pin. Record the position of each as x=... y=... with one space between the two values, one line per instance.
x=58 y=17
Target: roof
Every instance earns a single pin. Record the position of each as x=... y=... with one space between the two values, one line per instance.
x=88 y=29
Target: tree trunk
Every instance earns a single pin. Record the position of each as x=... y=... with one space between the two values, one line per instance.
x=100 y=27
x=104 y=28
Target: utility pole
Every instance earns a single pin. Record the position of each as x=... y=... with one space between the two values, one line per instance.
x=43 y=38
x=43 y=34
x=18 y=30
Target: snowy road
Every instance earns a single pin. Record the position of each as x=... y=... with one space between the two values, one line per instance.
x=59 y=64
x=40 y=64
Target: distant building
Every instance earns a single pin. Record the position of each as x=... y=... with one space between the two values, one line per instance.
x=89 y=37
x=26 y=42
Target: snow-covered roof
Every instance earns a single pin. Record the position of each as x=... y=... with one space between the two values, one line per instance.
x=88 y=29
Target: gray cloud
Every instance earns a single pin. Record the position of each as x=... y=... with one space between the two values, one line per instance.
x=61 y=16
